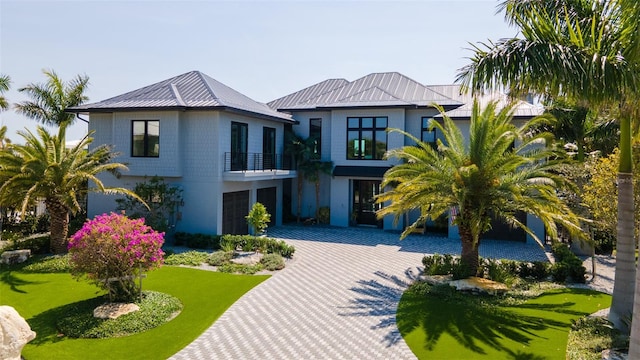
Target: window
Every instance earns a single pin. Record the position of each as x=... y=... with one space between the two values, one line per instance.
x=268 y=148
x=315 y=131
x=366 y=138
x=145 y=138
x=239 y=141
x=426 y=135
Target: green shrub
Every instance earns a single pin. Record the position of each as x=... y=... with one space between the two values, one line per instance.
x=37 y=244
x=220 y=258
x=240 y=268
x=273 y=262
x=568 y=264
x=437 y=264
x=49 y=264
x=197 y=241
x=503 y=271
x=258 y=218
x=538 y=270
x=254 y=243
x=155 y=309
x=589 y=336
x=190 y=258
x=324 y=215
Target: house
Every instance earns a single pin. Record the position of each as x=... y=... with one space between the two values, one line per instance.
x=350 y=119
x=226 y=151
x=223 y=149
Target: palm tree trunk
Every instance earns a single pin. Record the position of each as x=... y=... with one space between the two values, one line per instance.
x=634 y=341
x=469 y=256
x=59 y=226
x=624 y=286
x=317 y=199
x=299 y=204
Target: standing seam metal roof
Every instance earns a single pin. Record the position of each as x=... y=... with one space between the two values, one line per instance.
x=377 y=89
x=190 y=90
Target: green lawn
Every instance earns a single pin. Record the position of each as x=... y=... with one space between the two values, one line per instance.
x=438 y=327
x=39 y=298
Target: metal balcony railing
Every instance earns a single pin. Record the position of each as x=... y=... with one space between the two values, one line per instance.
x=256 y=162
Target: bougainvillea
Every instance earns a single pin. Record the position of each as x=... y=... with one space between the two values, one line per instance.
x=113 y=251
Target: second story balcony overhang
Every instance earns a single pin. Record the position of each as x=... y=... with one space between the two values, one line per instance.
x=257 y=166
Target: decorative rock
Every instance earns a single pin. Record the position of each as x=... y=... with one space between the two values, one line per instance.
x=114 y=310
x=15 y=256
x=247 y=258
x=15 y=333
x=477 y=284
x=614 y=355
x=437 y=279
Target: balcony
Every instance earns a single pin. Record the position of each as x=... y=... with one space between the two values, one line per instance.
x=257 y=166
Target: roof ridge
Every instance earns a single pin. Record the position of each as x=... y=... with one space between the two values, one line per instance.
x=176 y=93
x=206 y=84
x=369 y=88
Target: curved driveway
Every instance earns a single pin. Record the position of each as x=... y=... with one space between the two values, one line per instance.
x=336 y=299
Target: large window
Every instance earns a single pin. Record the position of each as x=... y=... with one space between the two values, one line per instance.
x=315 y=131
x=239 y=141
x=428 y=135
x=145 y=138
x=366 y=138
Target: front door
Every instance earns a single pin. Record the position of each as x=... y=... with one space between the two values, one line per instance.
x=235 y=206
x=364 y=205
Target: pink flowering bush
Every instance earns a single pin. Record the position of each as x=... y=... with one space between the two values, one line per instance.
x=113 y=251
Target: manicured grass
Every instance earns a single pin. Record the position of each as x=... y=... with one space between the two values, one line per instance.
x=204 y=294
x=441 y=325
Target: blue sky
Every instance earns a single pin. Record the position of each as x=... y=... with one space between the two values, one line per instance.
x=264 y=49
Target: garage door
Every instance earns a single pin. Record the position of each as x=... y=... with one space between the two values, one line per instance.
x=503 y=231
x=267 y=197
x=235 y=206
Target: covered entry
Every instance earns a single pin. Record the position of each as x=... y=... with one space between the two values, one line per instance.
x=235 y=206
x=364 y=205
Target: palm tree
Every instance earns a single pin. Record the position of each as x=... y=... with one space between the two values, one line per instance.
x=312 y=170
x=5 y=81
x=500 y=171
x=51 y=99
x=588 y=50
x=301 y=150
x=43 y=168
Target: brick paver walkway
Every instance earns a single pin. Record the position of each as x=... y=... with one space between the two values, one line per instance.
x=335 y=300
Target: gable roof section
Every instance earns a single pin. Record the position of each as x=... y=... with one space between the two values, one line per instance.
x=522 y=109
x=192 y=90
x=373 y=90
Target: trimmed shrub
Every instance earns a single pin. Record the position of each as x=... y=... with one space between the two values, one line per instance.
x=272 y=262
x=190 y=258
x=37 y=244
x=254 y=243
x=197 y=241
x=112 y=251
x=324 y=215
x=240 y=268
x=568 y=264
x=220 y=257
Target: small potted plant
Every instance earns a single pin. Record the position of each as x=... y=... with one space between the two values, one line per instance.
x=258 y=219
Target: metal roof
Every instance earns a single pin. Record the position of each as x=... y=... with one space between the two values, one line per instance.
x=192 y=90
x=521 y=109
x=373 y=90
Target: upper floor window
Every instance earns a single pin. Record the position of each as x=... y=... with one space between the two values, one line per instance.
x=366 y=138
x=145 y=138
x=315 y=131
x=428 y=135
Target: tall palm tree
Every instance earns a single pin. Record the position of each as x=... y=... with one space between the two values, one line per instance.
x=43 y=168
x=312 y=170
x=587 y=50
x=301 y=149
x=499 y=172
x=51 y=99
x=5 y=81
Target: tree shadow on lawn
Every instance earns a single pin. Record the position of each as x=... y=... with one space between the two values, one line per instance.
x=45 y=323
x=474 y=322
x=15 y=282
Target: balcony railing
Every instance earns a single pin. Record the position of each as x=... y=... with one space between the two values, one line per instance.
x=257 y=162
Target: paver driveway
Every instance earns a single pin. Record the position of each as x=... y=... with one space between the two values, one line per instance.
x=336 y=300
